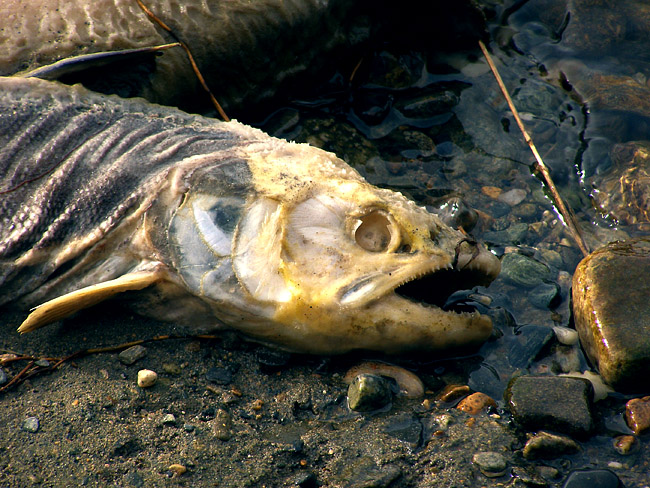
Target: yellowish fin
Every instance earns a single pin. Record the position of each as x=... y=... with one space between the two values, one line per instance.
x=65 y=305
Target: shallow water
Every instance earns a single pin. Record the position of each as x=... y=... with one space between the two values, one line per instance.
x=436 y=127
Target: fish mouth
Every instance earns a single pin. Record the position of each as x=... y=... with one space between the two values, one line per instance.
x=449 y=289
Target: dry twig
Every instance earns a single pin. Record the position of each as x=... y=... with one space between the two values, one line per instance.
x=540 y=167
x=195 y=67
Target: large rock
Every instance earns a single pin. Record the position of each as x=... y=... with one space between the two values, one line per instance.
x=611 y=306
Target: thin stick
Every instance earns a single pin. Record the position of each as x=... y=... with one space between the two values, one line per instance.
x=566 y=213
x=195 y=67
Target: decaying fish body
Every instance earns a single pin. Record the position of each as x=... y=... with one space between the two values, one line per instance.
x=222 y=224
x=243 y=48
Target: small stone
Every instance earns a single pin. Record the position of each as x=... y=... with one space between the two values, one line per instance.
x=592 y=478
x=556 y=403
x=147 y=378
x=222 y=425
x=637 y=414
x=528 y=344
x=491 y=191
x=545 y=445
x=545 y=295
x=177 y=469
x=625 y=444
x=188 y=427
x=409 y=384
x=491 y=464
x=368 y=392
x=451 y=393
x=3 y=377
x=476 y=403
x=513 y=197
x=566 y=336
x=132 y=354
x=31 y=424
x=43 y=363
x=219 y=376
x=520 y=270
x=169 y=419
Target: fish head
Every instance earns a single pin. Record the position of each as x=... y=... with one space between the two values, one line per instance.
x=321 y=261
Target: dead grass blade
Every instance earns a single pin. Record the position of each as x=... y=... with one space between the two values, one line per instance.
x=540 y=167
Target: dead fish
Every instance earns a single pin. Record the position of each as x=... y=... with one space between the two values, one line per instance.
x=218 y=224
x=244 y=49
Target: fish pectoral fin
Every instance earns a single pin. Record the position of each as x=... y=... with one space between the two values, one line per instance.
x=85 y=62
x=72 y=302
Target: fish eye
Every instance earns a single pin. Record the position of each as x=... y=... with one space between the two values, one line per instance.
x=377 y=232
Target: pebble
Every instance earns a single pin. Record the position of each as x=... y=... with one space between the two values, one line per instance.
x=592 y=478
x=513 y=197
x=219 y=376
x=368 y=392
x=31 y=424
x=132 y=354
x=147 y=378
x=491 y=464
x=169 y=419
x=545 y=295
x=556 y=403
x=177 y=469
x=3 y=377
x=410 y=385
x=625 y=444
x=545 y=445
x=528 y=344
x=222 y=425
x=566 y=336
x=491 y=191
x=637 y=414
x=476 y=403
x=520 y=270
x=43 y=363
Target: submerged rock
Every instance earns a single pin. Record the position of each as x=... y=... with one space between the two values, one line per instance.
x=637 y=414
x=612 y=312
x=550 y=402
x=593 y=478
x=623 y=191
x=547 y=445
